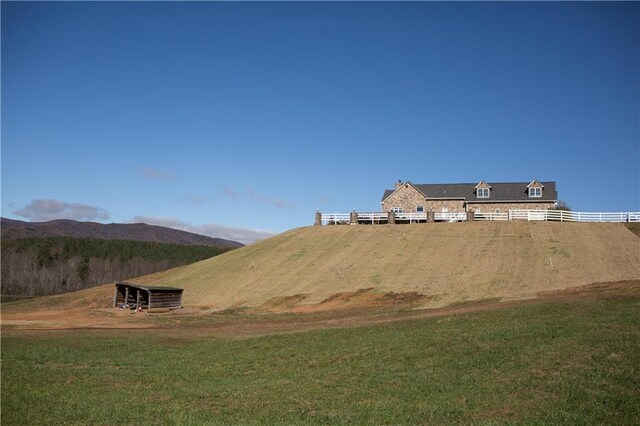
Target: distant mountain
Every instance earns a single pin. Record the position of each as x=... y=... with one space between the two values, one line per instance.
x=14 y=229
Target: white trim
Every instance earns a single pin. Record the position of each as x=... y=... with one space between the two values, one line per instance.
x=535 y=189
x=482 y=191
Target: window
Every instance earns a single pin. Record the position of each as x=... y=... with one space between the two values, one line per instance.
x=483 y=192
x=420 y=209
x=497 y=210
x=535 y=192
x=396 y=209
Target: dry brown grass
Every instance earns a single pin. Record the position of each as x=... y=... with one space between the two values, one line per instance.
x=427 y=265
x=448 y=263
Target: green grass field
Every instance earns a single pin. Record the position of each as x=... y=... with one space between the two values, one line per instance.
x=574 y=362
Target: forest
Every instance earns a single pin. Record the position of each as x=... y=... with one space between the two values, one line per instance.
x=39 y=266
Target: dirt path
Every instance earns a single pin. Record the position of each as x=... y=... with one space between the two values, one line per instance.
x=367 y=310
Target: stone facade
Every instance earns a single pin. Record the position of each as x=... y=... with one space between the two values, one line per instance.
x=407 y=198
x=505 y=207
x=451 y=206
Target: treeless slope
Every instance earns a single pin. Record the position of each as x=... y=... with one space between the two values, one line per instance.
x=447 y=262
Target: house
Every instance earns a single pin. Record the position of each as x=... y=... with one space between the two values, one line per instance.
x=462 y=197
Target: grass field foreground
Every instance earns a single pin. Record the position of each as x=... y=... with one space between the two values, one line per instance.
x=562 y=362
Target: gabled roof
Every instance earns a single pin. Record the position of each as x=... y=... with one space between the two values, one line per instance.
x=503 y=191
x=391 y=191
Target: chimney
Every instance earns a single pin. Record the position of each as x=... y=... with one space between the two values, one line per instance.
x=398 y=184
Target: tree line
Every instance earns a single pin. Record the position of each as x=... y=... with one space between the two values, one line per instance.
x=38 y=266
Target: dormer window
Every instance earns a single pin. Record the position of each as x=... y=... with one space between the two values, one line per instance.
x=482 y=192
x=482 y=189
x=535 y=189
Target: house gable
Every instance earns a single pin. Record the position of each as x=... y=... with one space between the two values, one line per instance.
x=405 y=197
x=482 y=184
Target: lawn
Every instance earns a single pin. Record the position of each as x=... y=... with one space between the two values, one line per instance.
x=574 y=361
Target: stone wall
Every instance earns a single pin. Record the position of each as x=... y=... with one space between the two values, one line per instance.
x=505 y=207
x=452 y=206
x=407 y=198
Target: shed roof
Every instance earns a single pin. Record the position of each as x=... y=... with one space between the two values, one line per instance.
x=151 y=288
x=503 y=191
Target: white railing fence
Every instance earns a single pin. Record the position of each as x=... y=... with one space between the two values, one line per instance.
x=528 y=215
x=373 y=217
x=411 y=217
x=490 y=216
x=335 y=218
x=450 y=217
x=565 y=216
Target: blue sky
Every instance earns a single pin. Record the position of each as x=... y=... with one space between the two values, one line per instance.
x=241 y=119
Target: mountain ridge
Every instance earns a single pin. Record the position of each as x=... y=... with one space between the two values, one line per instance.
x=12 y=229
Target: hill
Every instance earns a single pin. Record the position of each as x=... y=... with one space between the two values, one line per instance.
x=439 y=263
x=14 y=229
x=38 y=266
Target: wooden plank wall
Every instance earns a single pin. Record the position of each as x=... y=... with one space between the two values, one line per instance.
x=166 y=300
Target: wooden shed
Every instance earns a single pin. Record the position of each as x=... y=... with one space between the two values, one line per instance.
x=132 y=296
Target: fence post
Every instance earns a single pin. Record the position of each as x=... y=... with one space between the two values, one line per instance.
x=392 y=218
x=430 y=216
x=353 y=218
x=471 y=216
x=318 y=220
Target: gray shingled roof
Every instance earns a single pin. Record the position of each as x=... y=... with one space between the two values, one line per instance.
x=504 y=191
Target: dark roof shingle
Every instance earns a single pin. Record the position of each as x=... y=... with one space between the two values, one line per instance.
x=503 y=191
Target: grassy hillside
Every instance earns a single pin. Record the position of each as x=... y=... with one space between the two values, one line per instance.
x=446 y=262
x=569 y=361
x=51 y=265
